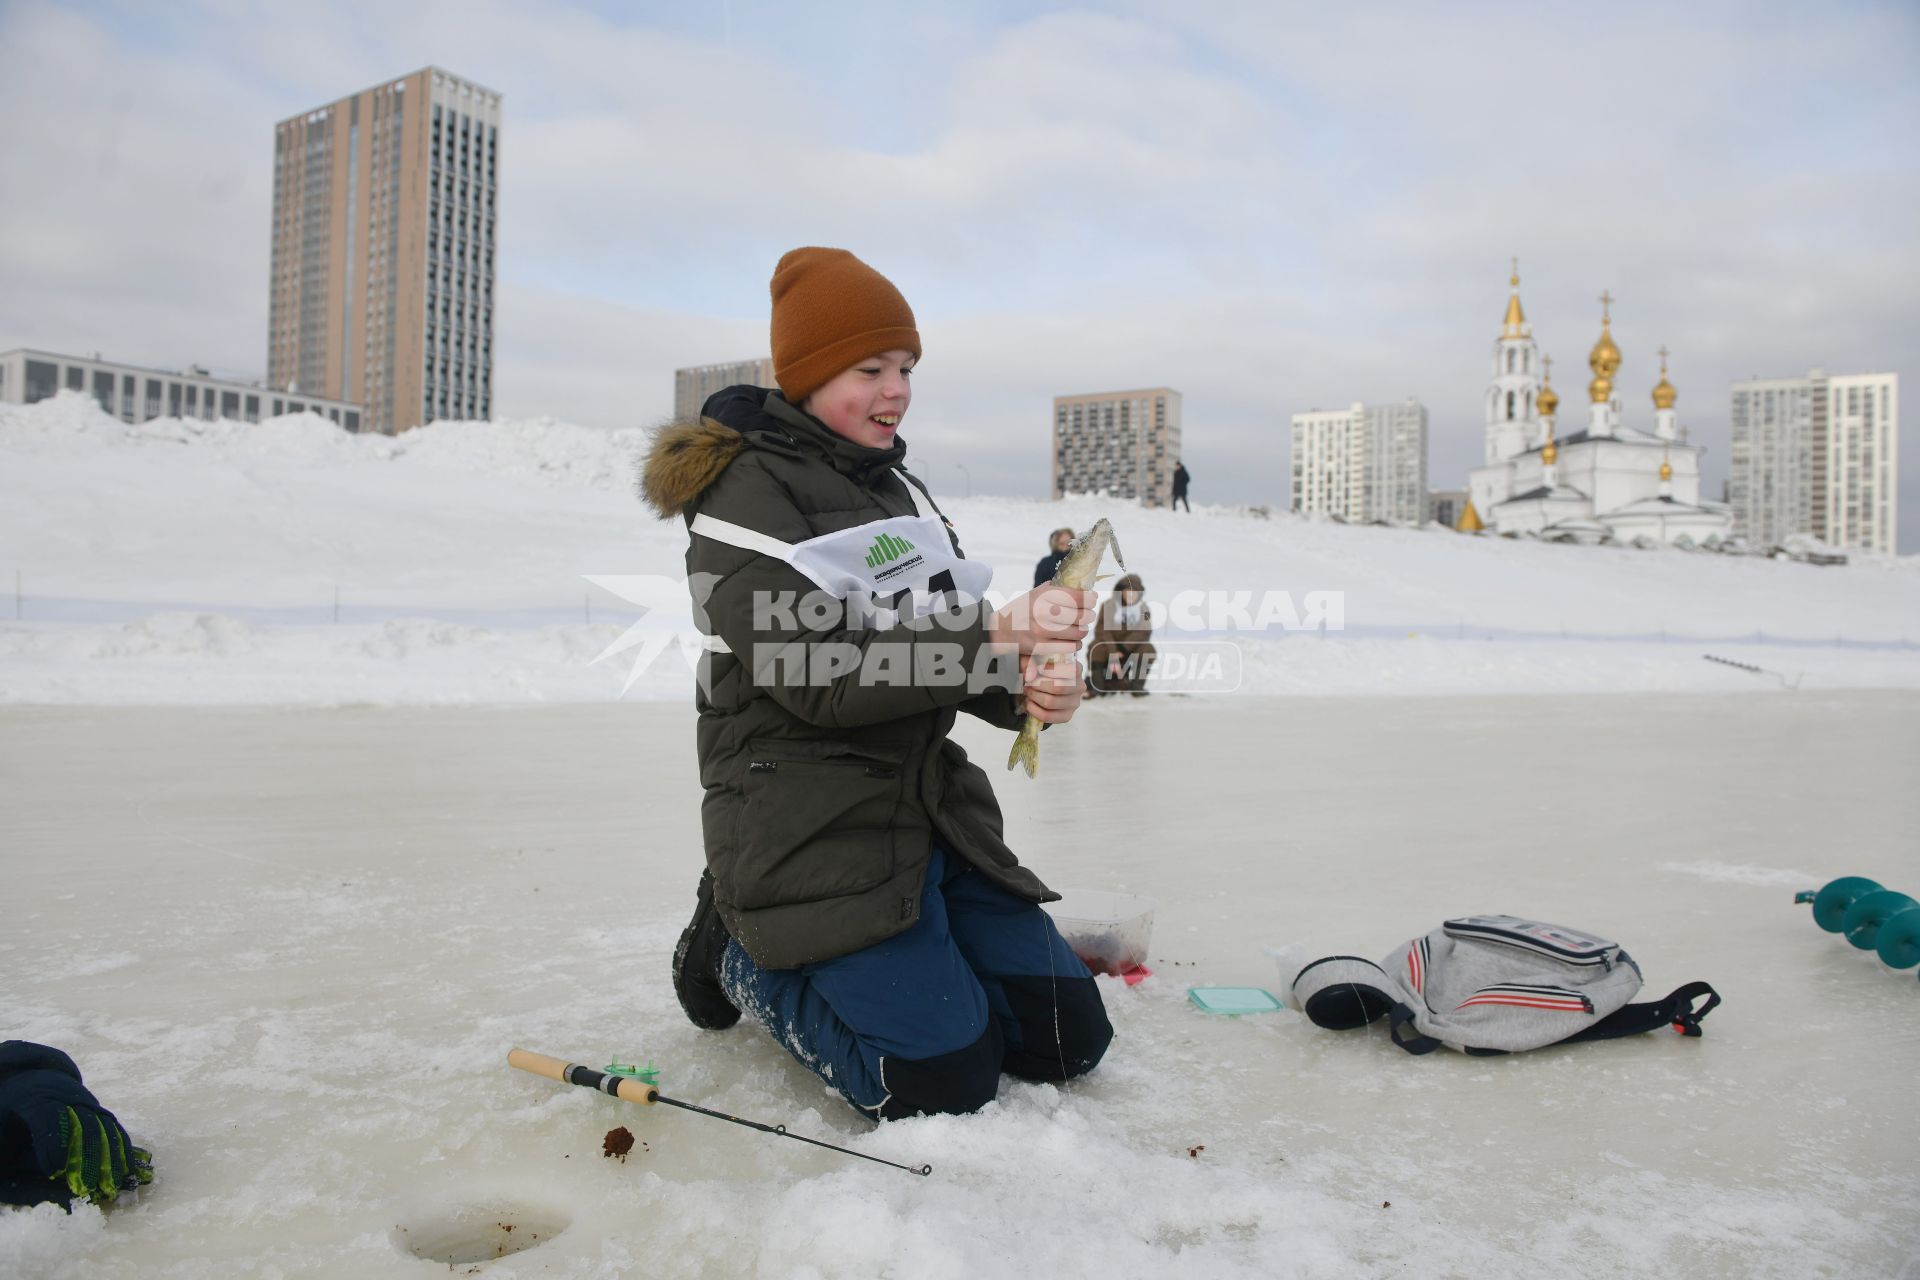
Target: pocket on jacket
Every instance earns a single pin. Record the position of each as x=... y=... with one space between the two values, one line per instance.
x=817 y=821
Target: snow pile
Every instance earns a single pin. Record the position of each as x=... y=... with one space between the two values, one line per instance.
x=451 y=564
x=558 y=453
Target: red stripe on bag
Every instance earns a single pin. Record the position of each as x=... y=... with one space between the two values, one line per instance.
x=1537 y=1002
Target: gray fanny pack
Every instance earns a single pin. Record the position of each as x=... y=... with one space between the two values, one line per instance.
x=1494 y=984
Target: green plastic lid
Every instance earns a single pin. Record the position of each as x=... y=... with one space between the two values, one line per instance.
x=1233 y=1000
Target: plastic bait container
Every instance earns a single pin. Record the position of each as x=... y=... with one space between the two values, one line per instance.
x=1108 y=931
x=1233 y=1001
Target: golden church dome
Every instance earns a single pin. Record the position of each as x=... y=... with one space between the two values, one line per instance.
x=1549 y=452
x=1605 y=358
x=1663 y=393
x=1666 y=469
x=1549 y=398
x=1600 y=390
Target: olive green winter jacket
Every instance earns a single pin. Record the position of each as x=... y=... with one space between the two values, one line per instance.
x=822 y=800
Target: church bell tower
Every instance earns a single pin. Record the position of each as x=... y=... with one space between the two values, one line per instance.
x=1512 y=397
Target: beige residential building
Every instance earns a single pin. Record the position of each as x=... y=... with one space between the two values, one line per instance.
x=691 y=387
x=384 y=224
x=1818 y=455
x=1120 y=442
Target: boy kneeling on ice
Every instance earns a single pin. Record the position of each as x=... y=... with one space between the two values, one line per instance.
x=859 y=899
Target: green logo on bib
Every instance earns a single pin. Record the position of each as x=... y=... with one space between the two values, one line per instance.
x=887 y=547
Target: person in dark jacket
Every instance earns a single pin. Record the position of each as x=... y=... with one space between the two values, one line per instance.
x=860 y=900
x=1059 y=542
x=1180 y=481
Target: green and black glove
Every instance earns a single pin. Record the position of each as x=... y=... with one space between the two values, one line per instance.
x=56 y=1141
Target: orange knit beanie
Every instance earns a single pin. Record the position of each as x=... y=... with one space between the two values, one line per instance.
x=831 y=311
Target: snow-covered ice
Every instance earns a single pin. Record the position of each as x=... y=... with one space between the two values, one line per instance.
x=291 y=949
x=289 y=915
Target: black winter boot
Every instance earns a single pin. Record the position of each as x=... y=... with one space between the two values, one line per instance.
x=696 y=965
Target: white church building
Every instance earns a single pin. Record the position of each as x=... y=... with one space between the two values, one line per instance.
x=1606 y=483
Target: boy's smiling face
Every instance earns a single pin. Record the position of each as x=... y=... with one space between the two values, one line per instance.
x=866 y=403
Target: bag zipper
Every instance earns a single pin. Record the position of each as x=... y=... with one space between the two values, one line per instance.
x=1527 y=942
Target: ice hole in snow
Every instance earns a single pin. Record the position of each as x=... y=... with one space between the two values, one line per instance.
x=477 y=1233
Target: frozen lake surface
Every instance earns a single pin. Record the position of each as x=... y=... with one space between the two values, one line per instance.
x=290 y=948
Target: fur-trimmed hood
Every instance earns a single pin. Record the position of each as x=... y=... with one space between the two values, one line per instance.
x=684 y=459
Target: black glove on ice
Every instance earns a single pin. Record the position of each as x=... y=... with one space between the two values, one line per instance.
x=56 y=1140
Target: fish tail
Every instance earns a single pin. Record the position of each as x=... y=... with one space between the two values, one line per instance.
x=1026 y=747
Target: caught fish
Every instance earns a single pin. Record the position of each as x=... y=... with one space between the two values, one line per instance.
x=1080 y=570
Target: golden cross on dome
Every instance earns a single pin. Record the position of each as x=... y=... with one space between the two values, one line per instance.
x=1547 y=362
x=1664 y=353
x=1515 y=282
x=1606 y=306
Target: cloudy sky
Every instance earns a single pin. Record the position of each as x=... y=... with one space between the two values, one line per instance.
x=1268 y=207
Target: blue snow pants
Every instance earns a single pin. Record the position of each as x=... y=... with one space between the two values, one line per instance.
x=925 y=1022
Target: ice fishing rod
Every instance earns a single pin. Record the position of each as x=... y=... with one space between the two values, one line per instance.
x=632 y=1089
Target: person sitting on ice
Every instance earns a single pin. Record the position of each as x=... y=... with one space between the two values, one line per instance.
x=859 y=899
x=1122 y=654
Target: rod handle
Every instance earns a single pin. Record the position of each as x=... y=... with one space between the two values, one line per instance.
x=625 y=1088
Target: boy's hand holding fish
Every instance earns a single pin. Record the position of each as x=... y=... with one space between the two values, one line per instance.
x=1076 y=575
x=1046 y=626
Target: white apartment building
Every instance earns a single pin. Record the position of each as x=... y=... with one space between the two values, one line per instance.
x=1770 y=468
x=1818 y=455
x=1120 y=442
x=1364 y=462
x=136 y=394
x=691 y=387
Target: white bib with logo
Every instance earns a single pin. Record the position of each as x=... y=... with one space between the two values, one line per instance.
x=905 y=565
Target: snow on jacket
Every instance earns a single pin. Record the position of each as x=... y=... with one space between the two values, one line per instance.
x=822 y=801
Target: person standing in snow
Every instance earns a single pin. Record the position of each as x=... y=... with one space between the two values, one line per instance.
x=859 y=899
x=1059 y=542
x=1180 y=480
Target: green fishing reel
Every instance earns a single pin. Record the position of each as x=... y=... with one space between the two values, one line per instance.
x=1871 y=918
x=648 y=1074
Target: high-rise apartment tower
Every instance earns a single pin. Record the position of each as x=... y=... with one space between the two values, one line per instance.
x=384 y=216
x=1120 y=442
x=1817 y=455
x=1366 y=462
